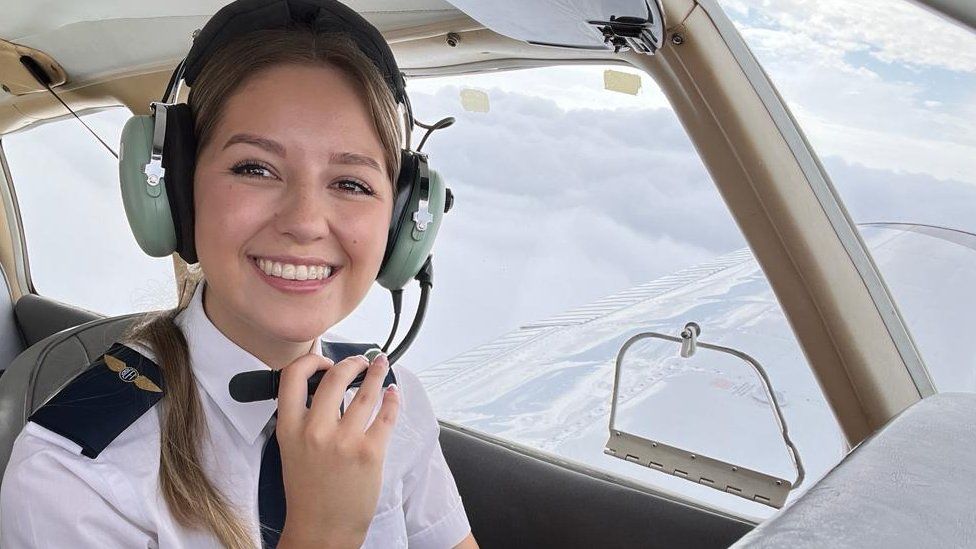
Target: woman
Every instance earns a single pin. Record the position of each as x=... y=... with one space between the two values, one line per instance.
x=298 y=146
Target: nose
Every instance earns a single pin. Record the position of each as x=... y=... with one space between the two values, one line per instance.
x=301 y=214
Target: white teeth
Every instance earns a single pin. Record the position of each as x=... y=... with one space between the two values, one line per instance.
x=294 y=272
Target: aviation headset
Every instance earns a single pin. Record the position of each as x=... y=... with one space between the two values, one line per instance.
x=158 y=151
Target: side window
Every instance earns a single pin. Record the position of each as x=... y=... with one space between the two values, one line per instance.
x=893 y=128
x=79 y=245
x=584 y=216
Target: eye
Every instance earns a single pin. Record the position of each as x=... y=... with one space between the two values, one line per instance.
x=353 y=186
x=252 y=168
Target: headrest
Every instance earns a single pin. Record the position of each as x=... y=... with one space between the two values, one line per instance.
x=325 y=16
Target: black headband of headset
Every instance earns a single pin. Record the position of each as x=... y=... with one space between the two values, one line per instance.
x=322 y=16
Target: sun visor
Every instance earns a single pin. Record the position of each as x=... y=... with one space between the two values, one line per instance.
x=580 y=24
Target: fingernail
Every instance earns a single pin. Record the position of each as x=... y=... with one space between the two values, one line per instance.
x=392 y=388
x=372 y=354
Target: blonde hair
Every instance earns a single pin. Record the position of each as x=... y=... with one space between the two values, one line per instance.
x=192 y=498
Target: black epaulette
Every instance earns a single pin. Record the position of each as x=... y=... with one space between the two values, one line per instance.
x=101 y=402
x=337 y=351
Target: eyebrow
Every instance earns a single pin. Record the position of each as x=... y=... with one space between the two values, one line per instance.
x=356 y=159
x=274 y=147
x=269 y=145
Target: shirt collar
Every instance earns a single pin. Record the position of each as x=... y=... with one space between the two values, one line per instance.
x=216 y=359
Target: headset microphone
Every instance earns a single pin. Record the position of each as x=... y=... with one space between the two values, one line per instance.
x=258 y=385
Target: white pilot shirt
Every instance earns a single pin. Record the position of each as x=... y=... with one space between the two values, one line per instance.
x=52 y=496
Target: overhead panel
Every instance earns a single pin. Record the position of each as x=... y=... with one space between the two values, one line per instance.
x=97 y=39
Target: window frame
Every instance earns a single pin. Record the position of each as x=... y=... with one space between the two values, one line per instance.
x=21 y=283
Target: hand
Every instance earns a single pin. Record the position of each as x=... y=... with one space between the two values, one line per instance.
x=332 y=466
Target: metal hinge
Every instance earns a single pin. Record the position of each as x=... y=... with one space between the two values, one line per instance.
x=630 y=33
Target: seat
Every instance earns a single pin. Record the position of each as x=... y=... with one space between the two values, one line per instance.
x=38 y=317
x=37 y=373
x=32 y=318
x=911 y=484
x=515 y=500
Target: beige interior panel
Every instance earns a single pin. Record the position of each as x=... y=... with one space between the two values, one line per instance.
x=134 y=91
x=823 y=295
x=8 y=253
x=16 y=79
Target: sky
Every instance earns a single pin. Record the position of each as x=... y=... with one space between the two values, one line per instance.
x=884 y=85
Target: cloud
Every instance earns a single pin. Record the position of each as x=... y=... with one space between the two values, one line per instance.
x=859 y=92
x=875 y=195
x=891 y=32
x=636 y=167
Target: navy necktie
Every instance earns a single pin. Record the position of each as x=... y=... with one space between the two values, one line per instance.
x=271 y=494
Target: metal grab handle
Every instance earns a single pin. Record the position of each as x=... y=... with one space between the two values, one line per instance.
x=627 y=446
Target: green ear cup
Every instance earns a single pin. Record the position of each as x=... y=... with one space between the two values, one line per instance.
x=146 y=206
x=412 y=246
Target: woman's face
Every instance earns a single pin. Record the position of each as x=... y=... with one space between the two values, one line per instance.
x=292 y=182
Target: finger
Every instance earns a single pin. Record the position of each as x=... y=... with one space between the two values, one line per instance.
x=328 y=396
x=363 y=404
x=293 y=388
x=385 y=421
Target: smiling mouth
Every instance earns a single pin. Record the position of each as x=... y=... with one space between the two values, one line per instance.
x=291 y=271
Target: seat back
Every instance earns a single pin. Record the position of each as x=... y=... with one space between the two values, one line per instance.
x=515 y=500
x=38 y=317
x=40 y=371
